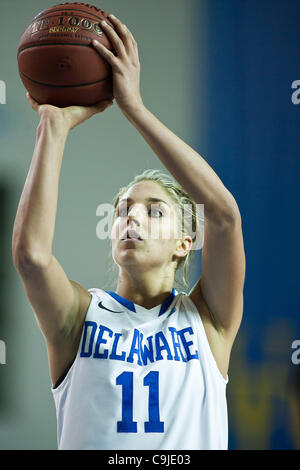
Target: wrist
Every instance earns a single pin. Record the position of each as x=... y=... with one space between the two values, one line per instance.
x=133 y=110
x=56 y=124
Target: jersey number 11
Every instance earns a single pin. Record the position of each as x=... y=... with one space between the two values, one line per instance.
x=127 y=424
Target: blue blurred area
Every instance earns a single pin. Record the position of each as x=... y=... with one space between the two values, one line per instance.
x=248 y=60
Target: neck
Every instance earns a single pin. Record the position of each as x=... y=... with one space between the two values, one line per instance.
x=148 y=294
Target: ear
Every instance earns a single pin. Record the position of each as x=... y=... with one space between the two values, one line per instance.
x=183 y=246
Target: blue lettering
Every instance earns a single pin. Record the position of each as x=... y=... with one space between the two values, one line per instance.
x=161 y=337
x=135 y=349
x=114 y=354
x=187 y=344
x=182 y=348
x=145 y=352
x=100 y=340
x=176 y=345
x=87 y=325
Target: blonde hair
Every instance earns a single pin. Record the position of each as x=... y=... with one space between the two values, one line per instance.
x=184 y=204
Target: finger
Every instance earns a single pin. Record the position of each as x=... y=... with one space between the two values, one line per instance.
x=104 y=103
x=100 y=106
x=123 y=31
x=119 y=26
x=34 y=104
x=75 y=115
x=116 y=38
x=104 y=52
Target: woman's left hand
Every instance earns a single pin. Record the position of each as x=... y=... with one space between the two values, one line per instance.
x=125 y=65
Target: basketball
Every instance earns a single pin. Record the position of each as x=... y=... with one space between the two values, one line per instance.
x=57 y=62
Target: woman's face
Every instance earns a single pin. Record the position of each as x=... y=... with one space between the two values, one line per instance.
x=156 y=222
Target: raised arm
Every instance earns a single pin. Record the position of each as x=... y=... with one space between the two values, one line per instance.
x=218 y=294
x=58 y=302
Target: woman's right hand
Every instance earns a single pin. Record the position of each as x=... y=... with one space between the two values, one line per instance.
x=70 y=116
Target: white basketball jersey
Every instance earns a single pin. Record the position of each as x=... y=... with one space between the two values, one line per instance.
x=142 y=379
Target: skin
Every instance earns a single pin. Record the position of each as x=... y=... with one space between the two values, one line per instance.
x=126 y=82
x=218 y=294
x=147 y=267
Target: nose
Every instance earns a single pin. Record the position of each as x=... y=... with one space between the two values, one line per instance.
x=132 y=218
x=135 y=213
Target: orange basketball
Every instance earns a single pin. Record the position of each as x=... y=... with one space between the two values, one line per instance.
x=58 y=64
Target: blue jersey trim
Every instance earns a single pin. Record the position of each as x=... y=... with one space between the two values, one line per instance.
x=131 y=306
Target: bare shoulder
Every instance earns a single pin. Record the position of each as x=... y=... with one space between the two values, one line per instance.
x=84 y=295
x=219 y=344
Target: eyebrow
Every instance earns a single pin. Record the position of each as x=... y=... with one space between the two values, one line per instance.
x=149 y=199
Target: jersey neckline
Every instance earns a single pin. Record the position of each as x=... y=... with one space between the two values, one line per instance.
x=158 y=309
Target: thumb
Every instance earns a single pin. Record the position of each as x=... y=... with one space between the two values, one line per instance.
x=34 y=104
x=101 y=105
x=79 y=114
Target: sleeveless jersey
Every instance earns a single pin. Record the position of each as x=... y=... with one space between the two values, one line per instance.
x=142 y=379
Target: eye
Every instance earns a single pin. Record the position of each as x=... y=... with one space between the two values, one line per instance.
x=156 y=210
x=120 y=211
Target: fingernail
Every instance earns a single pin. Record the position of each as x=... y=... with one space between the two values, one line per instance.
x=112 y=16
x=95 y=42
x=104 y=23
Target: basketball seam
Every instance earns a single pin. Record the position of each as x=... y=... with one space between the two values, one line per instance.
x=37 y=18
x=64 y=86
x=56 y=44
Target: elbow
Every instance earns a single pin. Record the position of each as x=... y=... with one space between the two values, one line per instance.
x=24 y=259
x=227 y=215
x=232 y=215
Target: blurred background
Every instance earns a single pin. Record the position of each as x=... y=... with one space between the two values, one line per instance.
x=223 y=77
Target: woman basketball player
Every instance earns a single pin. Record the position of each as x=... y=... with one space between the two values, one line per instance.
x=144 y=367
